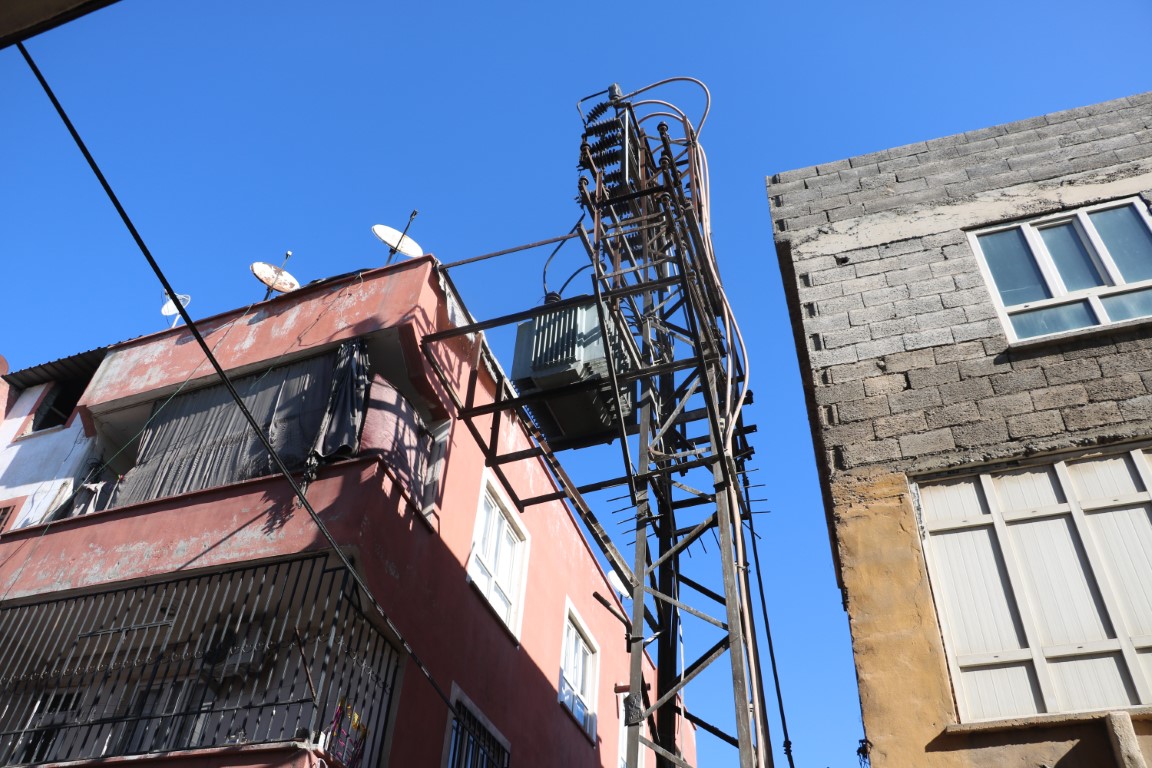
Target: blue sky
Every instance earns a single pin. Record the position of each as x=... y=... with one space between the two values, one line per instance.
x=235 y=131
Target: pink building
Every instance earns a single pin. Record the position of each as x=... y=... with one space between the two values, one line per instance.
x=164 y=594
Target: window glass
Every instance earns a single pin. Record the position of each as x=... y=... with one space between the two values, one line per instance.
x=1127 y=239
x=577 y=676
x=1126 y=306
x=496 y=553
x=1064 y=317
x=1013 y=268
x=1075 y=264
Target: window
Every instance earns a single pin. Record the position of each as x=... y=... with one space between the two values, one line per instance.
x=498 y=551
x=473 y=744
x=437 y=455
x=578 y=671
x=1040 y=577
x=1078 y=269
x=6 y=511
x=58 y=404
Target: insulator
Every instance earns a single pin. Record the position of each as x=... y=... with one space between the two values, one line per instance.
x=600 y=129
x=605 y=142
x=596 y=111
x=614 y=178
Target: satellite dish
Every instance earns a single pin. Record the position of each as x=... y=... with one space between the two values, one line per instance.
x=169 y=309
x=274 y=277
x=397 y=241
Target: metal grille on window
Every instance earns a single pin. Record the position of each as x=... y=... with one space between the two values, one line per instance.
x=1041 y=579
x=252 y=655
x=473 y=745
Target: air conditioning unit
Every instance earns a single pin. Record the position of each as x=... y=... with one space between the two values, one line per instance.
x=566 y=347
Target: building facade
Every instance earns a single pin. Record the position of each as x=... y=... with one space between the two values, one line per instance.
x=164 y=594
x=973 y=317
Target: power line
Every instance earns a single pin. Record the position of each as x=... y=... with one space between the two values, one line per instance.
x=283 y=469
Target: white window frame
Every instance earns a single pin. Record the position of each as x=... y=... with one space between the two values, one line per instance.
x=1036 y=655
x=483 y=573
x=440 y=433
x=1098 y=252
x=575 y=629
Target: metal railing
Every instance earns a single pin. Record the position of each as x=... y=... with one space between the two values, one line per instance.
x=260 y=654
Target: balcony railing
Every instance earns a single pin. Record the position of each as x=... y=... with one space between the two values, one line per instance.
x=262 y=654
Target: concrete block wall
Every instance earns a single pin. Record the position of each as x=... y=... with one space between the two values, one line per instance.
x=907 y=370
x=906 y=363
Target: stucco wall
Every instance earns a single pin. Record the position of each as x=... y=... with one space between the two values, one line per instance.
x=416 y=567
x=907 y=370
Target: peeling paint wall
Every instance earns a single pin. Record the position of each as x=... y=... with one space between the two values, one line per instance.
x=907 y=371
x=416 y=568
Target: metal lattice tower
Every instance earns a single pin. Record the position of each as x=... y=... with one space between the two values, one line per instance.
x=676 y=378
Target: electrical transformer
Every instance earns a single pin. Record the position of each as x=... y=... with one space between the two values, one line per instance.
x=557 y=350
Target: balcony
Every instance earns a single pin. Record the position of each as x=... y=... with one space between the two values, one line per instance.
x=263 y=654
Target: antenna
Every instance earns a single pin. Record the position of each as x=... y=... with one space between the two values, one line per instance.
x=398 y=241
x=276 y=278
x=169 y=308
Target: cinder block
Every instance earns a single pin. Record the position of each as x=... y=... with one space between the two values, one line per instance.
x=1091 y=415
x=1018 y=381
x=1138 y=408
x=839 y=393
x=886 y=385
x=947 y=373
x=1072 y=371
x=834 y=339
x=885 y=295
x=1038 y=424
x=1006 y=405
x=933 y=338
x=866 y=408
x=838 y=304
x=957 y=352
x=977 y=330
x=980 y=433
x=906 y=361
x=869 y=453
x=879 y=347
x=913 y=400
x=943 y=286
x=934 y=441
x=1122 y=387
x=952 y=415
x=853 y=371
x=1059 y=397
x=965 y=391
x=900 y=424
x=896 y=327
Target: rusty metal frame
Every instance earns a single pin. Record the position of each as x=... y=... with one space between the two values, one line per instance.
x=653 y=280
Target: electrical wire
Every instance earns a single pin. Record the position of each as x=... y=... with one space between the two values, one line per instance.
x=227 y=382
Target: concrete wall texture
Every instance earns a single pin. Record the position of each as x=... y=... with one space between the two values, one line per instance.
x=908 y=371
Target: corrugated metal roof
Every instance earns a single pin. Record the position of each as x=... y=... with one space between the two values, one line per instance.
x=77 y=366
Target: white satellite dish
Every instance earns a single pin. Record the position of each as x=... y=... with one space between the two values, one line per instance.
x=274 y=277
x=169 y=309
x=397 y=241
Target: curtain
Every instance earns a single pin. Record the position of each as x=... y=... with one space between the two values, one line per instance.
x=310 y=410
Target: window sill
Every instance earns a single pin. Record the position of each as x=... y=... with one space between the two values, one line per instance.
x=1081 y=333
x=1043 y=721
